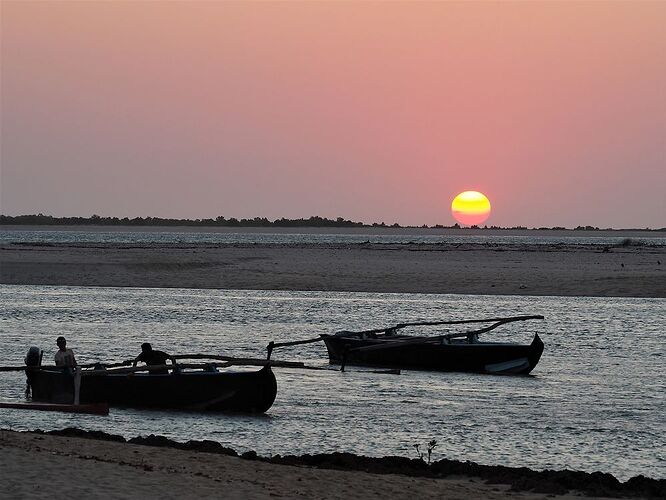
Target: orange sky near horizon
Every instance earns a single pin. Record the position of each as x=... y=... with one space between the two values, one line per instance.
x=369 y=111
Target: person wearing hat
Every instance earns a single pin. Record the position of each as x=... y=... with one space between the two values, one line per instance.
x=64 y=356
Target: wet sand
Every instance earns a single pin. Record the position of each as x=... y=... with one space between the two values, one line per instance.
x=37 y=465
x=474 y=268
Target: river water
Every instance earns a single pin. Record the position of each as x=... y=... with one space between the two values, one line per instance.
x=595 y=402
x=315 y=236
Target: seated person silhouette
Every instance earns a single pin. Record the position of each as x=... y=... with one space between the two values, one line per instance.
x=64 y=356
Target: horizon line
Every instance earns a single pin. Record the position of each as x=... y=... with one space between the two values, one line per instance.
x=312 y=221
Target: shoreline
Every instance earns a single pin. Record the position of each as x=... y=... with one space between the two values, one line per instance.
x=307 y=475
x=437 y=268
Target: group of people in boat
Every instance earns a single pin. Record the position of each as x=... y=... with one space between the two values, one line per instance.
x=64 y=356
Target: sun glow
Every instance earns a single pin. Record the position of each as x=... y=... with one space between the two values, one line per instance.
x=470 y=208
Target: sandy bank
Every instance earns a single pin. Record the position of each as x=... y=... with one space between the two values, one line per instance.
x=586 y=270
x=40 y=465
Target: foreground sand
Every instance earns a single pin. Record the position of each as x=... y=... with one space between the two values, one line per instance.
x=42 y=466
x=583 y=270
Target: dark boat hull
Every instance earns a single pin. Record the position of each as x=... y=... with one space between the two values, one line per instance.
x=478 y=357
x=204 y=391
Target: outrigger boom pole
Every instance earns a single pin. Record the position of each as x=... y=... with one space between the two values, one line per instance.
x=498 y=321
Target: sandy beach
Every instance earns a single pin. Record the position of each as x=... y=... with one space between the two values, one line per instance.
x=471 y=268
x=37 y=465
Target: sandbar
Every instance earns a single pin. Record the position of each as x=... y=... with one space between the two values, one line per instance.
x=440 y=268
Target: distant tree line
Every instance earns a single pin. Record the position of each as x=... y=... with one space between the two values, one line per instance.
x=96 y=220
x=314 y=221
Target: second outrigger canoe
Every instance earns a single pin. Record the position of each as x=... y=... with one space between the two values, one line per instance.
x=455 y=352
x=459 y=352
x=479 y=357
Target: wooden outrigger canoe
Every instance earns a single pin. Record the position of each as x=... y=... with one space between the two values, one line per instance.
x=460 y=352
x=199 y=387
x=479 y=357
x=200 y=390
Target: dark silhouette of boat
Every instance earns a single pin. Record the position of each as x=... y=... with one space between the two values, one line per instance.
x=479 y=357
x=459 y=352
x=204 y=389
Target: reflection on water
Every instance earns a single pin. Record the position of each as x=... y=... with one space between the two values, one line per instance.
x=595 y=401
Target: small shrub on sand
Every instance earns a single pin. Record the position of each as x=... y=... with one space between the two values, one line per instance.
x=432 y=444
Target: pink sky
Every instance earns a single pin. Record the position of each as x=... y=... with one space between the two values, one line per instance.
x=368 y=111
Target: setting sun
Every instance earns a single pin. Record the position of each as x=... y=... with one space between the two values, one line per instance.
x=470 y=208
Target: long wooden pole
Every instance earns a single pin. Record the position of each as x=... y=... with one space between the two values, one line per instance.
x=89 y=365
x=448 y=322
x=240 y=361
x=77 y=386
x=244 y=362
x=118 y=367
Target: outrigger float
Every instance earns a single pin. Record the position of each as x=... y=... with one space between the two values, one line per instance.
x=457 y=352
x=92 y=408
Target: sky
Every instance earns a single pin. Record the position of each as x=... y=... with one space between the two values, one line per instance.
x=371 y=111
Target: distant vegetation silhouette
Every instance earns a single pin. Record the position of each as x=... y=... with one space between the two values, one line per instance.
x=314 y=221
x=96 y=220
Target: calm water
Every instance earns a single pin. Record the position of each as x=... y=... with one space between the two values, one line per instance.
x=120 y=236
x=595 y=402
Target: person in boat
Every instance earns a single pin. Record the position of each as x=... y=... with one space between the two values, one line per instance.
x=64 y=356
x=152 y=357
